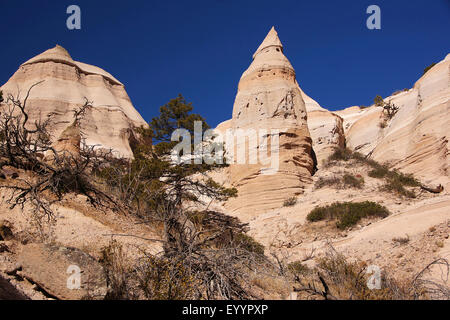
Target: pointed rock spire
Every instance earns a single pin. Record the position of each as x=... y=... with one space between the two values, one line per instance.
x=269 y=55
x=269 y=98
x=271 y=40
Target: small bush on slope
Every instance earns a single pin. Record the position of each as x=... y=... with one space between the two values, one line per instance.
x=328 y=181
x=401 y=240
x=345 y=154
x=298 y=268
x=397 y=187
x=346 y=280
x=428 y=68
x=352 y=181
x=336 y=278
x=395 y=181
x=347 y=214
x=290 y=202
x=347 y=181
x=249 y=244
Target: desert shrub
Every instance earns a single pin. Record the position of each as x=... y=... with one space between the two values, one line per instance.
x=379 y=172
x=161 y=278
x=298 y=268
x=382 y=171
x=399 y=91
x=395 y=181
x=272 y=285
x=248 y=243
x=327 y=181
x=404 y=179
x=389 y=109
x=206 y=246
x=348 y=280
x=352 y=181
x=428 y=68
x=347 y=214
x=335 y=278
x=116 y=273
x=346 y=181
x=341 y=154
x=440 y=244
x=401 y=240
x=290 y=202
x=396 y=186
x=5 y=231
x=378 y=101
x=51 y=177
x=345 y=154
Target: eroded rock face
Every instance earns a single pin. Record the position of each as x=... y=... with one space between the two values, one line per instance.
x=66 y=86
x=326 y=128
x=416 y=140
x=270 y=99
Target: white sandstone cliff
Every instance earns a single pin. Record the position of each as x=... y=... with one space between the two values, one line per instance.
x=66 y=84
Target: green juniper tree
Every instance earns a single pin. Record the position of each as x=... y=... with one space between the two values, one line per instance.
x=210 y=247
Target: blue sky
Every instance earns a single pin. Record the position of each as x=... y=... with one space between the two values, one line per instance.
x=200 y=48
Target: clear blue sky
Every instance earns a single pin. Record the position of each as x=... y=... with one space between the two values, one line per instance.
x=200 y=48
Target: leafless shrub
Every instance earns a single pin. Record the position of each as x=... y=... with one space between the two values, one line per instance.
x=401 y=240
x=118 y=275
x=290 y=202
x=51 y=173
x=431 y=288
x=211 y=252
x=337 y=278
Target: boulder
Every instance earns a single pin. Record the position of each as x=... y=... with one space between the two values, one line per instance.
x=49 y=266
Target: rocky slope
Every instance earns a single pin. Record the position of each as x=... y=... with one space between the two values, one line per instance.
x=269 y=97
x=416 y=139
x=65 y=85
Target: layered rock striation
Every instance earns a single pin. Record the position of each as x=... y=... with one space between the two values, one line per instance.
x=326 y=128
x=268 y=101
x=416 y=139
x=64 y=85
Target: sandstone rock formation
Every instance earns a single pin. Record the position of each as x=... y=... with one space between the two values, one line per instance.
x=326 y=129
x=66 y=84
x=416 y=140
x=269 y=98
